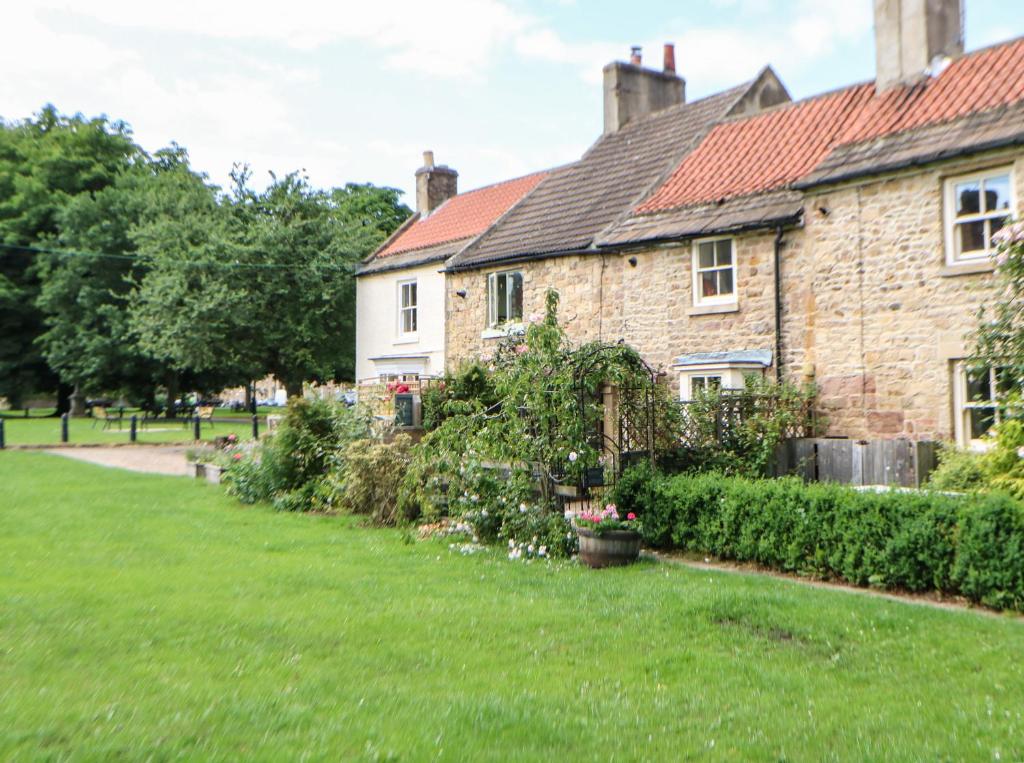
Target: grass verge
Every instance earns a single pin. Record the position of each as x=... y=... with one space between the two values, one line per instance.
x=147 y=616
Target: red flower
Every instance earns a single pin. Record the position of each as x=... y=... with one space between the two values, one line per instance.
x=631 y=515
x=237 y=457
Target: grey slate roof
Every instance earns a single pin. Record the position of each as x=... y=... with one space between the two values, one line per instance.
x=730 y=216
x=569 y=209
x=761 y=357
x=995 y=128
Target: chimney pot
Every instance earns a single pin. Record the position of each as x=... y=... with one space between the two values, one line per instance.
x=670 y=58
x=636 y=55
x=428 y=158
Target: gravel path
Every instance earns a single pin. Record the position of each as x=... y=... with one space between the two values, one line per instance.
x=150 y=459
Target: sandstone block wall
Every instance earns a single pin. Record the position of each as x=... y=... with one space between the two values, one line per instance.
x=871 y=312
x=872 y=308
x=602 y=296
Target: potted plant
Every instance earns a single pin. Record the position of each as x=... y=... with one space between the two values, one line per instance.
x=607 y=540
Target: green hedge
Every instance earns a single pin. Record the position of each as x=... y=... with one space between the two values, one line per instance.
x=915 y=541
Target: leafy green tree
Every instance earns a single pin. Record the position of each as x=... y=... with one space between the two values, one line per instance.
x=190 y=307
x=87 y=339
x=45 y=162
x=302 y=245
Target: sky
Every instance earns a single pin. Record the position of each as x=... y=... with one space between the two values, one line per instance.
x=356 y=91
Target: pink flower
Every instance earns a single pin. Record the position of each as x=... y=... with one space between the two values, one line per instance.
x=631 y=515
x=237 y=457
x=522 y=349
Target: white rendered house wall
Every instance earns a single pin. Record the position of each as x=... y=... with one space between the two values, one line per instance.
x=400 y=322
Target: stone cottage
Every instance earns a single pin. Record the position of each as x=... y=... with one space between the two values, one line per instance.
x=843 y=239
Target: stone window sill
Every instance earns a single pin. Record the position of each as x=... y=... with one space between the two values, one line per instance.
x=407 y=340
x=967 y=269
x=503 y=331
x=730 y=307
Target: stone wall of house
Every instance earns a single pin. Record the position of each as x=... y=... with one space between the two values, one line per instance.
x=871 y=312
x=871 y=309
x=650 y=305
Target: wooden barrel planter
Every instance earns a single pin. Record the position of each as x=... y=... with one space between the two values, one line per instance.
x=610 y=549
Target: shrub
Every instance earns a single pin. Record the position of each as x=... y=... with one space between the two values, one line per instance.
x=737 y=431
x=468 y=391
x=371 y=477
x=959 y=470
x=915 y=541
x=990 y=560
x=1001 y=467
x=292 y=468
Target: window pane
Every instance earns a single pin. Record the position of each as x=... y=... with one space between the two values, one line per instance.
x=979 y=386
x=1005 y=382
x=412 y=294
x=502 y=298
x=696 y=384
x=967 y=197
x=997 y=193
x=707 y=255
x=515 y=312
x=714 y=382
x=725 y=281
x=723 y=250
x=970 y=237
x=995 y=224
x=708 y=286
x=981 y=420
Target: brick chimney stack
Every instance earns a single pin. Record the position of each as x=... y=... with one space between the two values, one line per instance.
x=435 y=184
x=631 y=91
x=912 y=36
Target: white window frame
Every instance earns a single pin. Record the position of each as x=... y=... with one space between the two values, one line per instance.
x=963 y=405
x=492 y=299
x=952 y=221
x=699 y=300
x=730 y=376
x=403 y=309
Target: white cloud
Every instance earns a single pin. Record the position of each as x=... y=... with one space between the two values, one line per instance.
x=452 y=38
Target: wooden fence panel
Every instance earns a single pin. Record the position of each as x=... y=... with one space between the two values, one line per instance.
x=853 y=462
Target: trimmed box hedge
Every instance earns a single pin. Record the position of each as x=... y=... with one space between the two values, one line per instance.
x=914 y=541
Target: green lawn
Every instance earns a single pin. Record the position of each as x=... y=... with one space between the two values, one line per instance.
x=152 y=617
x=46 y=431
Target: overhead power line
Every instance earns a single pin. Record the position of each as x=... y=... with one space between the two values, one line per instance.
x=38 y=250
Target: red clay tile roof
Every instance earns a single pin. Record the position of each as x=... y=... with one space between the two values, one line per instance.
x=985 y=79
x=766 y=151
x=464 y=216
x=775 y=149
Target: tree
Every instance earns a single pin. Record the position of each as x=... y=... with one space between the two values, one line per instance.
x=190 y=308
x=44 y=163
x=302 y=245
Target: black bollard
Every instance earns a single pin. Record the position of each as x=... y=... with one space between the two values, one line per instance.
x=196 y=424
x=133 y=433
x=64 y=427
x=255 y=428
x=1 y=434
